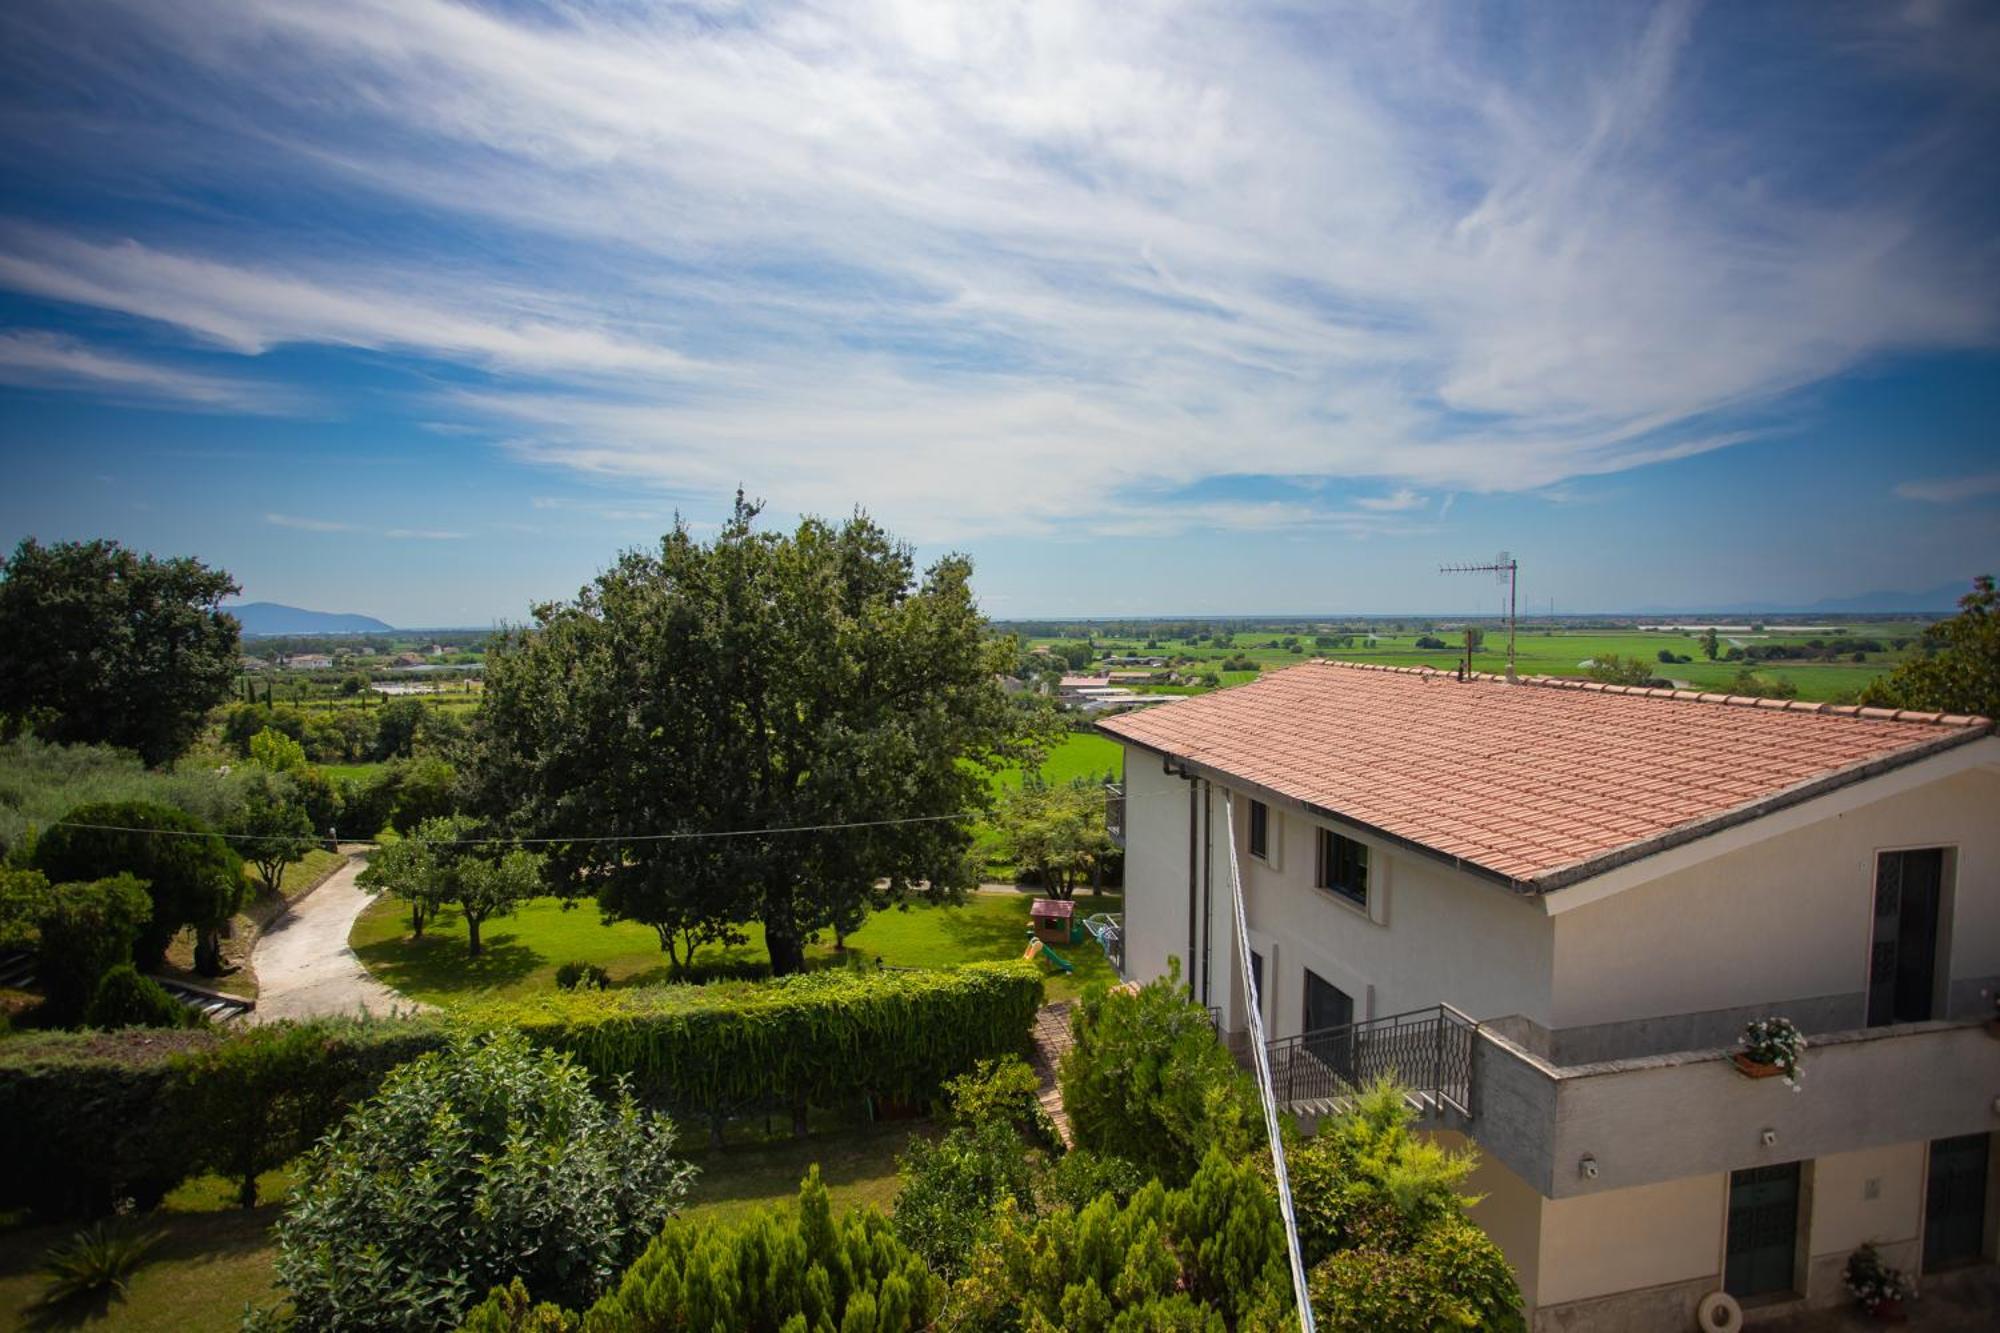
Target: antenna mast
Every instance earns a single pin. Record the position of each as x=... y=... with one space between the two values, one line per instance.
x=1505 y=569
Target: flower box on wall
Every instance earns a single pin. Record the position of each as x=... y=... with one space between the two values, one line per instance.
x=1755 y=1068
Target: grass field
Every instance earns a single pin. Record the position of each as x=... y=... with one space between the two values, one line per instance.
x=858 y=1164
x=1564 y=653
x=210 y=1264
x=523 y=951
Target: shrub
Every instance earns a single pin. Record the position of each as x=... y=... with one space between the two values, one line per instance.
x=86 y=930
x=816 y=1039
x=1382 y=1226
x=1005 y=1090
x=193 y=880
x=510 y=1309
x=1453 y=1276
x=1148 y=1081
x=125 y=999
x=93 y=1266
x=472 y=1167
x=582 y=976
x=260 y=1099
x=1209 y=1256
x=781 y=1269
x=1081 y=1175
x=950 y=1188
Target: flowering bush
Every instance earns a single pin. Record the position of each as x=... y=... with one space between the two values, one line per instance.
x=1776 y=1041
x=1873 y=1283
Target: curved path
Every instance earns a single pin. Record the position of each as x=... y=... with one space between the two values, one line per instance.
x=304 y=967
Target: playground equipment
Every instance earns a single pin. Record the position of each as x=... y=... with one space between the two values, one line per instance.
x=1053 y=921
x=1037 y=949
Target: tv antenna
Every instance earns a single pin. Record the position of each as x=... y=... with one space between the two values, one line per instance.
x=1505 y=569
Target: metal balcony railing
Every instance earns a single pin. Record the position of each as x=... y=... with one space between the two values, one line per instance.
x=1428 y=1052
x=1114 y=811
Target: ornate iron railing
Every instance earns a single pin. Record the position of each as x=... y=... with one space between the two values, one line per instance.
x=1428 y=1052
x=1114 y=811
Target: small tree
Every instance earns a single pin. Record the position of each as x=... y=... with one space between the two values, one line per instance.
x=1710 y=646
x=1056 y=833
x=275 y=829
x=485 y=888
x=472 y=1167
x=279 y=753
x=192 y=876
x=1615 y=670
x=420 y=869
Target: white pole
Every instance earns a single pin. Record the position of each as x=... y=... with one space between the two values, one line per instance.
x=1265 y=1092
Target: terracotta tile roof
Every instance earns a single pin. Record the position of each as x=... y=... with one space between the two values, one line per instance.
x=1537 y=781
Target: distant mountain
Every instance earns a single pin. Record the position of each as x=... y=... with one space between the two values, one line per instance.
x=272 y=618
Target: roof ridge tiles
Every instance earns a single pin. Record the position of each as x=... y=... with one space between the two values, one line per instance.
x=1687 y=696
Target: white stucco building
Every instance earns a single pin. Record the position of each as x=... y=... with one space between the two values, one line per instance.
x=1603 y=885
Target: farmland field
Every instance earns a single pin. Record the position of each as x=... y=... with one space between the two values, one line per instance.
x=1553 y=653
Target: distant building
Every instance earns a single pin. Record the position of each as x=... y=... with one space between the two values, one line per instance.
x=1132 y=661
x=308 y=662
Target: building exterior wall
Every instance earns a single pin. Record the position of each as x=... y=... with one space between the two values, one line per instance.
x=1632 y=1239
x=1785 y=919
x=1156 y=838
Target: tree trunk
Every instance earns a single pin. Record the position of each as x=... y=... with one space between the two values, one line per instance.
x=246 y=1190
x=787 y=948
x=472 y=934
x=416 y=921
x=208 y=951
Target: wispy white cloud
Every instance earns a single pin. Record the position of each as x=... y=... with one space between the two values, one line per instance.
x=39 y=359
x=1951 y=490
x=1394 y=502
x=1030 y=269
x=305 y=524
x=424 y=534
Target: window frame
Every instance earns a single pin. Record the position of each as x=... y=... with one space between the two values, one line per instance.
x=1260 y=830
x=1327 y=862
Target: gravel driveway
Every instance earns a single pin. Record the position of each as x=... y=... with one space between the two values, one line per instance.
x=304 y=967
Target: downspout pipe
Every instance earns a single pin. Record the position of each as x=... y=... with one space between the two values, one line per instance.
x=1207 y=882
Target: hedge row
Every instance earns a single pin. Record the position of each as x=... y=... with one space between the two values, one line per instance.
x=86 y=1119
x=820 y=1039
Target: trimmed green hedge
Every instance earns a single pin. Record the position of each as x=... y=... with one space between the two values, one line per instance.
x=88 y=1118
x=816 y=1039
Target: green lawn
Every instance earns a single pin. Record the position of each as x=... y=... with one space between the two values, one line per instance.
x=523 y=951
x=208 y=1267
x=857 y=1163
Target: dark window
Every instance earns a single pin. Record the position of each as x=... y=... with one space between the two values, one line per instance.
x=1955 y=1202
x=1329 y=1020
x=1902 y=964
x=1260 y=829
x=1343 y=867
x=1763 y=1230
x=1257 y=977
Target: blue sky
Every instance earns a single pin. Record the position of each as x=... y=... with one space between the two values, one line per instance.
x=427 y=309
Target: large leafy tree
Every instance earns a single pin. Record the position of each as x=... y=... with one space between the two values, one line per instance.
x=1959 y=669
x=805 y=693
x=102 y=644
x=192 y=876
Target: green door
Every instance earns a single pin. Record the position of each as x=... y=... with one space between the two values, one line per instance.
x=1955 y=1202
x=1763 y=1230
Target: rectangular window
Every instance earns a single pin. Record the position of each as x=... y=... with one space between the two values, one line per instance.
x=1903 y=959
x=1343 y=867
x=1260 y=830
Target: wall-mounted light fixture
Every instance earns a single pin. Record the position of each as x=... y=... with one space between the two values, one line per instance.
x=1588 y=1167
x=1769 y=1137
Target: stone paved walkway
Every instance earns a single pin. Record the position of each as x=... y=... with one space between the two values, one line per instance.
x=1052 y=1038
